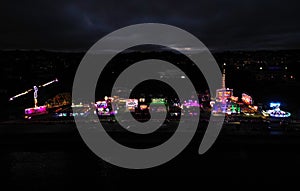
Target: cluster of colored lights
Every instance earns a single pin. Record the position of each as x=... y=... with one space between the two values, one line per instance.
x=191 y=103
x=143 y=107
x=276 y=111
x=131 y=103
x=102 y=108
x=246 y=99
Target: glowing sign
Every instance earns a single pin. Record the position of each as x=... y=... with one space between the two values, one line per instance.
x=158 y=100
x=132 y=103
x=274 y=104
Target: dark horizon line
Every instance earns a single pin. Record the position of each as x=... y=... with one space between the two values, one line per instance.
x=211 y=50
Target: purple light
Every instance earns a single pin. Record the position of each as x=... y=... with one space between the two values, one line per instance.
x=191 y=103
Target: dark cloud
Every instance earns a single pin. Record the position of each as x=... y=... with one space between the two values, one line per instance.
x=76 y=25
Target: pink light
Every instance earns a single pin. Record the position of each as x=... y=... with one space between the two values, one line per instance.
x=36 y=110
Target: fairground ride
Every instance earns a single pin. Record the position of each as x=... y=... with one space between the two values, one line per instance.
x=36 y=110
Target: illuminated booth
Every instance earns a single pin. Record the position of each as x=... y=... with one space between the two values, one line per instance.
x=131 y=105
x=158 y=105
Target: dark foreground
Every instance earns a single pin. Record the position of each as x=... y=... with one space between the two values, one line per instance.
x=53 y=156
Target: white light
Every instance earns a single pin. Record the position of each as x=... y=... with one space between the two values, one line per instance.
x=182 y=77
x=260 y=68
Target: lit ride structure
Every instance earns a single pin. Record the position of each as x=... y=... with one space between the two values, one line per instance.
x=36 y=110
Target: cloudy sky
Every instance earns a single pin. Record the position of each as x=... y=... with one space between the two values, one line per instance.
x=220 y=24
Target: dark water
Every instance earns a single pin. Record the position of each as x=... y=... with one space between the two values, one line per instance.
x=47 y=157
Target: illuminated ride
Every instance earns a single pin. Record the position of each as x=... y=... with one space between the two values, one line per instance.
x=36 y=110
x=190 y=107
x=276 y=112
x=227 y=104
x=221 y=104
x=247 y=107
x=105 y=107
x=108 y=108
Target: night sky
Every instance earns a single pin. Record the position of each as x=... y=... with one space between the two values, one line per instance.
x=220 y=25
